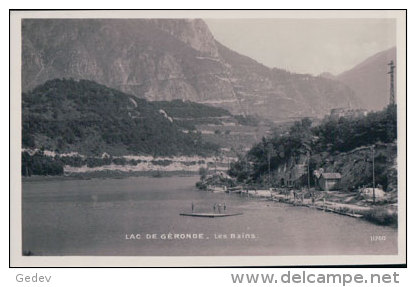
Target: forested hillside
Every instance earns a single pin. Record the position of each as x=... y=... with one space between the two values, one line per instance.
x=332 y=145
x=86 y=117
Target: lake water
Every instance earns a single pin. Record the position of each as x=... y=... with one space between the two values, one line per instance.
x=100 y=216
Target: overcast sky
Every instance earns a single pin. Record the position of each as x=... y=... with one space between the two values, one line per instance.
x=306 y=45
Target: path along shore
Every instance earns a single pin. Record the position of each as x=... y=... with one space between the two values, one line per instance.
x=328 y=203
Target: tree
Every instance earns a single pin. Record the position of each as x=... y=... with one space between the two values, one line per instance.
x=203 y=172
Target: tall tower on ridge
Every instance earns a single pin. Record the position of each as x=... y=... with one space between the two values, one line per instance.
x=391 y=72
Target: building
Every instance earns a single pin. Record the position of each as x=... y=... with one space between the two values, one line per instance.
x=347 y=113
x=329 y=181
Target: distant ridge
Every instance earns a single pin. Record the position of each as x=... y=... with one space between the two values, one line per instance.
x=369 y=79
x=328 y=75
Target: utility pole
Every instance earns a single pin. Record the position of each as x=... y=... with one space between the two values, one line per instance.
x=309 y=181
x=268 y=155
x=374 y=179
x=269 y=150
x=215 y=163
x=391 y=72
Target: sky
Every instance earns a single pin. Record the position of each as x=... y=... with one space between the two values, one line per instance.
x=311 y=46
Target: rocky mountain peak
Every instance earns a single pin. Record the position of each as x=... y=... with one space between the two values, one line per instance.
x=193 y=32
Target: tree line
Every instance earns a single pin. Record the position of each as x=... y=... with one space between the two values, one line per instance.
x=330 y=137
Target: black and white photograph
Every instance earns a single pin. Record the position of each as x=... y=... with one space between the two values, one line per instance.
x=208 y=138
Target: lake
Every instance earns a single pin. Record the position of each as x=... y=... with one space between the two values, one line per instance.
x=140 y=216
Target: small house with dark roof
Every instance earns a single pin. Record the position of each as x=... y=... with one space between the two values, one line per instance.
x=329 y=180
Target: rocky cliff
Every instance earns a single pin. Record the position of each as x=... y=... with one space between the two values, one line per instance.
x=170 y=59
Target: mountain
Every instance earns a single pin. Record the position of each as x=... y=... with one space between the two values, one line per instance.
x=89 y=118
x=166 y=59
x=277 y=94
x=369 y=79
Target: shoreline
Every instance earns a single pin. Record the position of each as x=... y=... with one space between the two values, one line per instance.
x=382 y=215
x=107 y=175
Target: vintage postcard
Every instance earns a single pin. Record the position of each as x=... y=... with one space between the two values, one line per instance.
x=208 y=138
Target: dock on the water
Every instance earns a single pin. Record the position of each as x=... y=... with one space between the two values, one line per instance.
x=211 y=215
